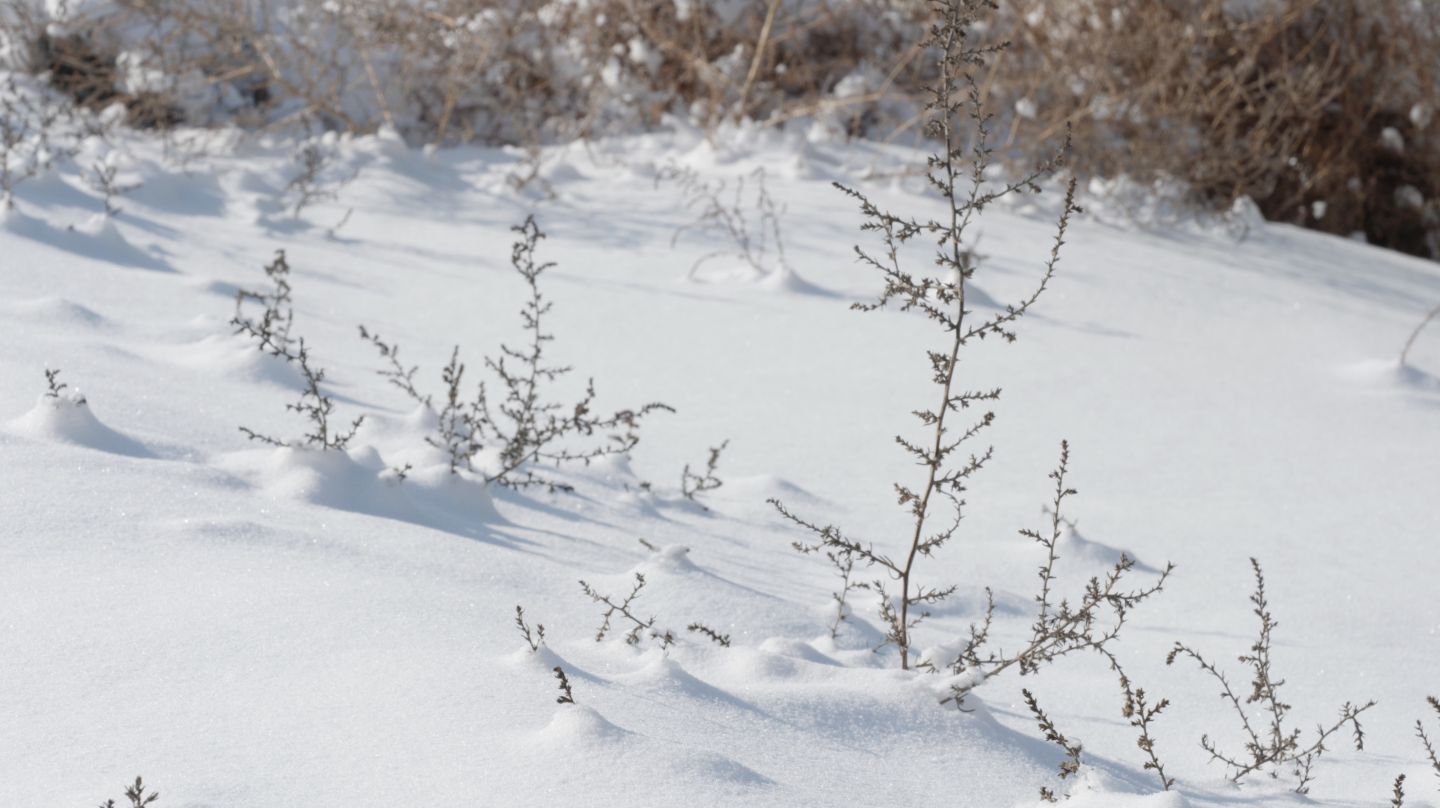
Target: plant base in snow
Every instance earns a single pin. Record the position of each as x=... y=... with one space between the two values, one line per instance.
x=54 y=392
x=1071 y=764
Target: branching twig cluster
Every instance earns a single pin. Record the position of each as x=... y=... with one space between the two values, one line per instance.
x=538 y=638
x=398 y=376
x=101 y=179
x=273 y=327
x=730 y=217
x=137 y=796
x=1059 y=629
x=272 y=332
x=54 y=389
x=1424 y=739
x=722 y=639
x=692 y=484
x=1071 y=764
x=943 y=301
x=844 y=562
x=1140 y=715
x=566 y=696
x=623 y=609
x=1272 y=745
x=524 y=427
x=308 y=186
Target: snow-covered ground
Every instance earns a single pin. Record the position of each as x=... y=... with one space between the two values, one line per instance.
x=246 y=625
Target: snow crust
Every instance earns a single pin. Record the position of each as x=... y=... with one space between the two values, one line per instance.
x=280 y=626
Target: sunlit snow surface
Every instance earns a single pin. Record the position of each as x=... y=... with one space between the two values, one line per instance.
x=251 y=626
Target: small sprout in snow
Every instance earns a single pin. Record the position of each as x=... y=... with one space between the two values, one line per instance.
x=692 y=484
x=54 y=391
x=534 y=641
x=722 y=639
x=566 y=696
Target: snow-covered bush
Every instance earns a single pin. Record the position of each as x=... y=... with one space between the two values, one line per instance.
x=1321 y=111
x=455 y=70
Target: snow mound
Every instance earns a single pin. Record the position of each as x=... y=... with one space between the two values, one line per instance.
x=782 y=279
x=1096 y=787
x=67 y=419
x=795 y=649
x=1073 y=547
x=97 y=238
x=53 y=311
x=229 y=356
x=359 y=481
x=578 y=725
x=1389 y=375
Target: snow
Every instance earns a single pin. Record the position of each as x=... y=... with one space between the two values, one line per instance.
x=259 y=625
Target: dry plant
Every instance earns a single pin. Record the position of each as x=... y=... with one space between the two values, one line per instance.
x=844 y=562
x=1321 y=111
x=1398 y=799
x=137 y=796
x=1059 y=629
x=54 y=389
x=942 y=300
x=1416 y=333
x=1140 y=715
x=398 y=376
x=721 y=639
x=1424 y=739
x=456 y=70
x=538 y=638
x=730 y=217
x=692 y=484
x=566 y=695
x=1273 y=745
x=310 y=185
x=623 y=609
x=525 y=427
x=273 y=327
x=101 y=179
x=37 y=130
x=1071 y=764
x=272 y=334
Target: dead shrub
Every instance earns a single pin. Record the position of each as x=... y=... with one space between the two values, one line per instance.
x=497 y=71
x=1321 y=111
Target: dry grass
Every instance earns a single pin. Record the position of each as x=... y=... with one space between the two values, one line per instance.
x=459 y=70
x=1321 y=111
